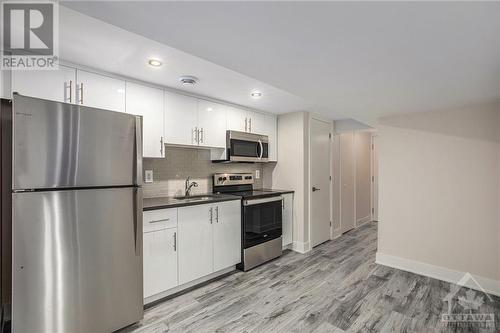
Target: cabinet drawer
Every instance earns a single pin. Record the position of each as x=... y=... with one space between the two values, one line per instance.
x=160 y=219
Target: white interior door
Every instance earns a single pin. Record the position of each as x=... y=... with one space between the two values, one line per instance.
x=148 y=103
x=375 y=178
x=347 y=215
x=320 y=181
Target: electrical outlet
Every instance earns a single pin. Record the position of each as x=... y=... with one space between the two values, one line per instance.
x=148 y=176
x=257 y=174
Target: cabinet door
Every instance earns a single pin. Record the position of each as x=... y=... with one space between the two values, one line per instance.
x=195 y=242
x=181 y=119
x=212 y=124
x=160 y=261
x=270 y=129
x=257 y=123
x=100 y=91
x=55 y=85
x=287 y=218
x=148 y=102
x=237 y=119
x=227 y=234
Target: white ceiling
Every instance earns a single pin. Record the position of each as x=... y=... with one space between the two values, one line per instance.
x=86 y=41
x=356 y=60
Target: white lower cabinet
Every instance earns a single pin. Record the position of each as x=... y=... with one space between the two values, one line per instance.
x=209 y=239
x=160 y=251
x=160 y=261
x=184 y=244
x=287 y=218
x=195 y=242
x=227 y=234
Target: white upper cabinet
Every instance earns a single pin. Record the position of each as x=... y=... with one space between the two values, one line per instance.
x=227 y=234
x=181 y=119
x=100 y=91
x=211 y=124
x=271 y=130
x=237 y=119
x=148 y=103
x=56 y=85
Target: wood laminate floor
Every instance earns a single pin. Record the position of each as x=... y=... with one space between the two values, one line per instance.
x=336 y=287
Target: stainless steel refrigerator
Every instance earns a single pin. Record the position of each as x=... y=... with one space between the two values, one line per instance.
x=76 y=204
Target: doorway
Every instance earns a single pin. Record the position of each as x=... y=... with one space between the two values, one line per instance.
x=320 y=181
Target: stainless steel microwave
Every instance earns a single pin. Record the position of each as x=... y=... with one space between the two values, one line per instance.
x=246 y=147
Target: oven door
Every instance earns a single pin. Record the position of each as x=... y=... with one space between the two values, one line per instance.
x=262 y=220
x=247 y=147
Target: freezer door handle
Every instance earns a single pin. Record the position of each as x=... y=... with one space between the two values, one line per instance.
x=138 y=221
x=138 y=151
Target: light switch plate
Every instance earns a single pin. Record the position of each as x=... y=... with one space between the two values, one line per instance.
x=257 y=174
x=148 y=176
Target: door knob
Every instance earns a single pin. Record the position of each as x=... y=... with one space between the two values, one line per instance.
x=316 y=189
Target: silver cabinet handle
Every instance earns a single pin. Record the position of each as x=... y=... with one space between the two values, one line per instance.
x=202 y=135
x=193 y=135
x=250 y=125
x=211 y=215
x=246 y=124
x=217 y=214
x=161 y=146
x=175 y=241
x=157 y=221
x=70 y=87
x=81 y=93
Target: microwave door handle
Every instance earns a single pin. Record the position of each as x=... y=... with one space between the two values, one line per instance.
x=261 y=150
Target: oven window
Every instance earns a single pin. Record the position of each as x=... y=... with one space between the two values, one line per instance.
x=244 y=148
x=262 y=222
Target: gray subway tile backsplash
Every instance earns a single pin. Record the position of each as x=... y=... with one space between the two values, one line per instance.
x=170 y=173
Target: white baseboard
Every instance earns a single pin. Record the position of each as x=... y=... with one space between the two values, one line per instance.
x=301 y=247
x=363 y=220
x=441 y=273
x=337 y=233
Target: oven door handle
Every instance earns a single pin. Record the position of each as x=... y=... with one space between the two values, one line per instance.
x=251 y=202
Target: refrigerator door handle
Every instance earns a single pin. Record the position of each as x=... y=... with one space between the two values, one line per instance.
x=138 y=221
x=138 y=151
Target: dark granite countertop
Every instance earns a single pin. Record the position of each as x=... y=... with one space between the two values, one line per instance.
x=172 y=202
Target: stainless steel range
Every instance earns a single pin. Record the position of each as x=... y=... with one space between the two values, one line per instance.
x=261 y=218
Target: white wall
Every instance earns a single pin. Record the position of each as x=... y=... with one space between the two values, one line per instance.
x=439 y=189
x=291 y=171
x=362 y=151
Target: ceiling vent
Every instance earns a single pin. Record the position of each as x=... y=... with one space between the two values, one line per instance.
x=188 y=80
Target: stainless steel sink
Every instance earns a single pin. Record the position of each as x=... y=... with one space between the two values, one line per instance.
x=195 y=197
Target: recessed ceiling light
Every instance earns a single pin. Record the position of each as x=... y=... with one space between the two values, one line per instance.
x=154 y=62
x=256 y=94
x=188 y=80
x=209 y=109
